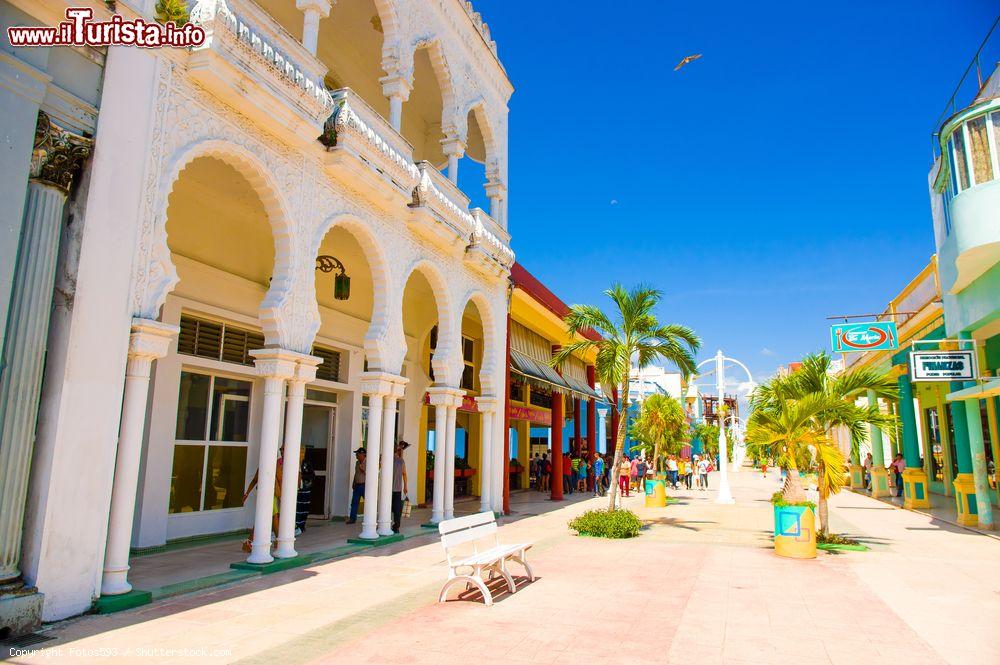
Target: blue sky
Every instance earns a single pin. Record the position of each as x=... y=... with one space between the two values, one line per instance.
x=776 y=181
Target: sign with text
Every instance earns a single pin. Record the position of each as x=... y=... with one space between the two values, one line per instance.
x=870 y=336
x=943 y=366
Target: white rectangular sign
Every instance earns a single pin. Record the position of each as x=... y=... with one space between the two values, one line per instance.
x=942 y=366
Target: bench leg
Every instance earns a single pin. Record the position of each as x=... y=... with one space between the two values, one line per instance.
x=522 y=559
x=467 y=580
x=502 y=569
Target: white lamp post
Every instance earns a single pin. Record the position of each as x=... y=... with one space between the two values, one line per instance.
x=724 y=494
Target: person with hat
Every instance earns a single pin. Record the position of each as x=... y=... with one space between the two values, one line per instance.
x=358 y=486
x=399 y=485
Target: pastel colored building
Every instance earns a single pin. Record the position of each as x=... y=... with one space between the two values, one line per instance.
x=266 y=245
x=546 y=404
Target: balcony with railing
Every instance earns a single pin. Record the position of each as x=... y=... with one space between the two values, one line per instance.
x=249 y=61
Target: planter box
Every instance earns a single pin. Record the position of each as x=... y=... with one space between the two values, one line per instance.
x=795 y=532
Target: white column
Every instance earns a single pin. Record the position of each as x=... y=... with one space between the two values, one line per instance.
x=396 y=88
x=313 y=11
x=305 y=371
x=276 y=366
x=55 y=161
x=388 y=454
x=449 y=469
x=495 y=193
x=724 y=495
x=602 y=430
x=453 y=148
x=439 y=398
x=149 y=340
x=499 y=452
x=487 y=461
x=376 y=385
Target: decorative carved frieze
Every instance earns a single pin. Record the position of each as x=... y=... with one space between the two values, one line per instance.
x=58 y=154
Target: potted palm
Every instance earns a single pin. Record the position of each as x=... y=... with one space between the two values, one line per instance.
x=789 y=429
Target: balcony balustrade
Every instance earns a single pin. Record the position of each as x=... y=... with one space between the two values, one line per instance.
x=250 y=62
x=363 y=147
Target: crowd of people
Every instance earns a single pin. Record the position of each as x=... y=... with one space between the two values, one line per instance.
x=581 y=475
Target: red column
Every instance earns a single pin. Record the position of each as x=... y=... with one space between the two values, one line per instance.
x=557 y=444
x=506 y=429
x=591 y=427
x=577 y=426
x=558 y=403
x=613 y=448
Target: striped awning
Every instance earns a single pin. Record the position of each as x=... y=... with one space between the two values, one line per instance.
x=540 y=372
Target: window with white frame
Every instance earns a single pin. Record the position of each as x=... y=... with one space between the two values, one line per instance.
x=973 y=152
x=210 y=447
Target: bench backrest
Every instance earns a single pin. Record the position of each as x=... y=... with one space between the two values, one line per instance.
x=467 y=529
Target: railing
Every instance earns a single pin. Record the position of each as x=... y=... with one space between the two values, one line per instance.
x=488 y=234
x=969 y=87
x=254 y=32
x=431 y=191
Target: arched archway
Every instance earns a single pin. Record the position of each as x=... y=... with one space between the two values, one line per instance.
x=429 y=108
x=480 y=156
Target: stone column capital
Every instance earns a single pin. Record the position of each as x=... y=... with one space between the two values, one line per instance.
x=150 y=339
x=453 y=146
x=58 y=154
x=396 y=84
x=321 y=7
x=495 y=189
x=381 y=384
x=446 y=396
x=487 y=403
x=274 y=363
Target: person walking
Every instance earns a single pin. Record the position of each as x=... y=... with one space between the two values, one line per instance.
x=633 y=472
x=640 y=474
x=682 y=470
x=581 y=475
x=545 y=469
x=867 y=466
x=898 y=466
x=624 y=474
x=703 y=473
x=399 y=485
x=672 y=469
x=303 y=500
x=599 y=476
x=358 y=484
x=567 y=470
x=533 y=471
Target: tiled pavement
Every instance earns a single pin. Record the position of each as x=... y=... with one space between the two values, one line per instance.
x=700 y=585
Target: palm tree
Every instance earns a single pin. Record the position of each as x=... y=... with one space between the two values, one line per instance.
x=662 y=423
x=634 y=332
x=788 y=428
x=814 y=377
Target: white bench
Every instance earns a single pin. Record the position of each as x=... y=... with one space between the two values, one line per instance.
x=473 y=546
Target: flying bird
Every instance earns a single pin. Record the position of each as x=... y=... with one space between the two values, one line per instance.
x=686 y=60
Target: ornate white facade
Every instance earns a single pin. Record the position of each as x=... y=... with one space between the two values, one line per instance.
x=196 y=152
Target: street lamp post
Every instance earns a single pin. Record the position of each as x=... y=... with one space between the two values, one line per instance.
x=724 y=494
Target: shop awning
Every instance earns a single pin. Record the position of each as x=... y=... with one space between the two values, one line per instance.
x=535 y=370
x=580 y=387
x=989 y=388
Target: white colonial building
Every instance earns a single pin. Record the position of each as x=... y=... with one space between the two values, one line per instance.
x=271 y=248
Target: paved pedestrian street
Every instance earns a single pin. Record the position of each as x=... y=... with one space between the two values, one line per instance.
x=700 y=585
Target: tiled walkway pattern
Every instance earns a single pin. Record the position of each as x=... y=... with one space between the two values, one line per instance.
x=701 y=585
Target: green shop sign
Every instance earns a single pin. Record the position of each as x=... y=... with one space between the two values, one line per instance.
x=943 y=366
x=871 y=336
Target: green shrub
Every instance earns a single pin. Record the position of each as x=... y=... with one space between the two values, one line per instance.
x=778 y=500
x=834 y=539
x=604 y=524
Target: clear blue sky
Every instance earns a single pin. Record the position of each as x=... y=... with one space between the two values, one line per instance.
x=779 y=179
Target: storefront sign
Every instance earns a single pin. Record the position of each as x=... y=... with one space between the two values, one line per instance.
x=870 y=336
x=942 y=365
x=532 y=415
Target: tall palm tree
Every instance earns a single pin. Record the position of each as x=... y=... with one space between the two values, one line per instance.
x=815 y=377
x=632 y=332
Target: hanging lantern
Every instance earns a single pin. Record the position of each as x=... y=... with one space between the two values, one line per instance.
x=341 y=287
x=341 y=282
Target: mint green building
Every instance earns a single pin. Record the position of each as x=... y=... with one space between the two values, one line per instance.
x=965 y=203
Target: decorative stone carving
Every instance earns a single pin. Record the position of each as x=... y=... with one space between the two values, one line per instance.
x=58 y=154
